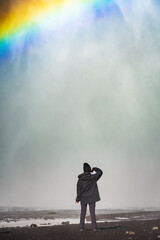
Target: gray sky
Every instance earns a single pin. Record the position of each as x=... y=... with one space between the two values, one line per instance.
x=89 y=93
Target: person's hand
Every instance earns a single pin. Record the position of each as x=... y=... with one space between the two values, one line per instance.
x=76 y=202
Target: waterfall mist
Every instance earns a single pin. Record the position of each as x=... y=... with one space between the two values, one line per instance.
x=88 y=92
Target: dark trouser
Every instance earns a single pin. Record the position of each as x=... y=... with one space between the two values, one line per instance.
x=92 y=213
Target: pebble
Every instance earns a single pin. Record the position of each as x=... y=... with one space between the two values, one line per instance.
x=155 y=228
x=130 y=232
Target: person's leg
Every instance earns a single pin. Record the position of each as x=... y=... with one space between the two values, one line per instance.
x=83 y=214
x=93 y=216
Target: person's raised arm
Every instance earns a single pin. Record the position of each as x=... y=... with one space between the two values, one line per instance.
x=98 y=173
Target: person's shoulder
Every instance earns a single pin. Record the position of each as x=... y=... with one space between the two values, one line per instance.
x=80 y=175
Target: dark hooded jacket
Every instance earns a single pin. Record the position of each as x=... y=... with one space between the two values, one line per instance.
x=87 y=189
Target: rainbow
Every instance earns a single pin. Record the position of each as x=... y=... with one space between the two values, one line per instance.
x=39 y=17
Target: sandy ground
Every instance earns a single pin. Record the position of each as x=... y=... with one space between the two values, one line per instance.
x=126 y=230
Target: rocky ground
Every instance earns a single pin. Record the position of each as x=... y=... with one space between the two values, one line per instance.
x=126 y=230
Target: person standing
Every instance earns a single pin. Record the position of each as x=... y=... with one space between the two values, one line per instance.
x=87 y=193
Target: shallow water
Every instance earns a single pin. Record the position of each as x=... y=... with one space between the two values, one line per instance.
x=23 y=217
x=39 y=222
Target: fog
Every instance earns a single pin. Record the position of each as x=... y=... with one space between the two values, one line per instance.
x=87 y=91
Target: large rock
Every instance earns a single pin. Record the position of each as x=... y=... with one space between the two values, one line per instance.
x=33 y=225
x=65 y=223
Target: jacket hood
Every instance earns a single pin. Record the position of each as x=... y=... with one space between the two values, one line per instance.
x=84 y=176
x=86 y=167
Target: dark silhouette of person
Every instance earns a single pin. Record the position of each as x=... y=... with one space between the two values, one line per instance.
x=87 y=193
